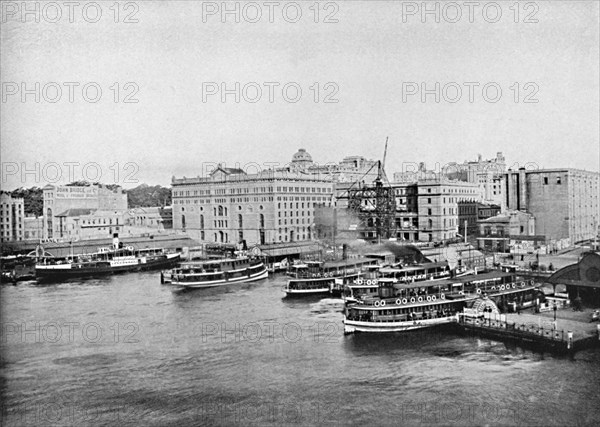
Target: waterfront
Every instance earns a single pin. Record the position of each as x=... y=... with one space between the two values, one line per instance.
x=127 y=350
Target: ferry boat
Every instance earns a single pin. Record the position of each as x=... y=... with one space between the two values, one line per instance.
x=104 y=262
x=368 y=285
x=399 y=307
x=316 y=277
x=15 y=268
x=220 y=272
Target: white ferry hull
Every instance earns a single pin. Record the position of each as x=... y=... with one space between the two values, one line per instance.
x=352 y=326
x=263 y=274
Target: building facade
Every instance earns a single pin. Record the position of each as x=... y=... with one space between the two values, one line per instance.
x=487 y=174
x=351 y=169
x=438 y=207
x=59 y=200
x=12 y=216
x=230 y=206
x=33 y=228
x=564 y=202
x=470 y=212
x=425 y=210
x=500 y=232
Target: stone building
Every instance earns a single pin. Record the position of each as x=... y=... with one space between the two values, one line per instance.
x=438 y=207
x=59 y=200
x=230 y=206
x=563 y=201
x=426 y=210
x=487 y=174
x=496 y=233
x=351 y=169
x=33 y=228
x=470 y=212
x=12 y=215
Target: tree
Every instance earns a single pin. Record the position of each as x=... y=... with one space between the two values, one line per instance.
x=146 y=196
x=33 y=200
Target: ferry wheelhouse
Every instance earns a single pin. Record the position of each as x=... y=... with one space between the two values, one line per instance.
x=316 y=277
x=220 y=272
x=401 y=307
x=104 y=262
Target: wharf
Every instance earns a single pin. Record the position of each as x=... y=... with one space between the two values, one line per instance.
x=572 y=332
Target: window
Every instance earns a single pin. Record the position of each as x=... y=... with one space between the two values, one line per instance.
x=558 y=180
x=545 y=180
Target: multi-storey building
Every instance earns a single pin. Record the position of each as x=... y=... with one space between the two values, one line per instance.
x=438 y=207
x=351 y=169
x=563 y=201
x=487 y=174
x=470 y=212
x=230 y=206
x=12 y=215
x=425 y=210
x=498 y=232
x=59 y=200
x=33 y=228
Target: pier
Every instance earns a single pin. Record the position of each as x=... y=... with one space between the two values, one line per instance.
x=570 y=332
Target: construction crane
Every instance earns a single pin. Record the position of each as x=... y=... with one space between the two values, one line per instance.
x=375 y=204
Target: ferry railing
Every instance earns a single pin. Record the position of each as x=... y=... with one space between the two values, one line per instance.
x=449 y=316
x=447 y=295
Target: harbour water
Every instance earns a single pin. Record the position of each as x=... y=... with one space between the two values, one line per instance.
x=127 y=350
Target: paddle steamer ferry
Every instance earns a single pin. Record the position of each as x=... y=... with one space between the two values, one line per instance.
x=406 y=306
x=316 y=277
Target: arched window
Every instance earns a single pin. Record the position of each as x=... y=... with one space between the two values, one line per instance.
x=220 y=210
x=240 y=221
x=262 y=221
x=183 y=222
x=202 y=222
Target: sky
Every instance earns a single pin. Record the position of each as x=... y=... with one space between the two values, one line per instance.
x=354 y=73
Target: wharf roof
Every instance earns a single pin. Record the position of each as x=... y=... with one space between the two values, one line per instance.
x=76 y=212
x=342 y=263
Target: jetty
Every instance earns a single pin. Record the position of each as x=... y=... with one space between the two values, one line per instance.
x=570 y=332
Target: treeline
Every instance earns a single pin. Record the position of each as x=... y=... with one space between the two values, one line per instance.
x=148 y=195
x=141 y=196
x=33 y=199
